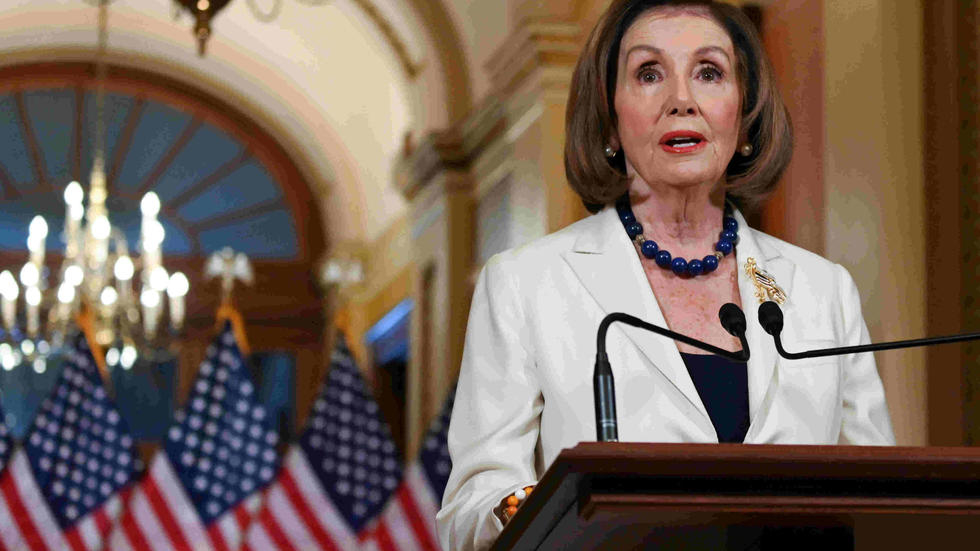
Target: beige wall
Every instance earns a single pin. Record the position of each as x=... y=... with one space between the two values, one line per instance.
x=875 y=194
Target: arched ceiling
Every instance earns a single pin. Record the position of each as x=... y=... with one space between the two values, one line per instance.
x=215 y=192
x=322 y=79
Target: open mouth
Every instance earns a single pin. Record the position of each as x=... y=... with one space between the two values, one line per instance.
x=682 y=142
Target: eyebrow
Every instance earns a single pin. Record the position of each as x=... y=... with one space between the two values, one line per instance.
x=700 y=51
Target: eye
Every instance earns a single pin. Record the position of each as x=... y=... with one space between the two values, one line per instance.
x=709 y=74
x=648 y=74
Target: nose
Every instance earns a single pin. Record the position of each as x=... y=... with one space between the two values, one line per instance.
x=680 y=103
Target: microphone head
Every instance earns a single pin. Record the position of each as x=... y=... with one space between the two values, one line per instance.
x=771 y=318
x=732 y=319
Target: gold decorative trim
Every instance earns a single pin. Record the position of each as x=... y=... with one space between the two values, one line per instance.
x=411 y=68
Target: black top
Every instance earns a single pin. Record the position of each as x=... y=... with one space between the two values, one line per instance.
x=724 y=389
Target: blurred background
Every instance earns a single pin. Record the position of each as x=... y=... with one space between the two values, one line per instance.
x=368 y=156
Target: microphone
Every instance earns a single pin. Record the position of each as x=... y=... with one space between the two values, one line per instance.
x=771 y=320
x=603 y=386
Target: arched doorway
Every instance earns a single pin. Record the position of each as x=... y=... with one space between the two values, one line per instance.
x=222 y=180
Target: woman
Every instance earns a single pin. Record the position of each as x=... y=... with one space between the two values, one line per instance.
x=673 y=110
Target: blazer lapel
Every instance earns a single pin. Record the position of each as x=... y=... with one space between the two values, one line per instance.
x=762 y=363
x=605 y=262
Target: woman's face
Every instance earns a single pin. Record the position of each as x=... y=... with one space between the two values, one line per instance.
x=677 y=100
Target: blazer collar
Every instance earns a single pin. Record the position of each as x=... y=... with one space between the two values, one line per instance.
x=606 y=263
x=762 y=362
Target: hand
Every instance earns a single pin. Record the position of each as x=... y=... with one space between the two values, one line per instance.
x=508 y=506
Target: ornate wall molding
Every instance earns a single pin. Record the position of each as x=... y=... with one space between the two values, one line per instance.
x=451 y=150
x=533 y=46
x=410 y=67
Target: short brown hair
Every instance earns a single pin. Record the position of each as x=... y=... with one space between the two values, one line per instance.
x=590 y=118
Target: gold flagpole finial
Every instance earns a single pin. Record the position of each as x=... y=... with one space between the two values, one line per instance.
x=230 y=266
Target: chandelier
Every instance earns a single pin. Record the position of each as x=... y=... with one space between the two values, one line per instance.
x=98 y=273
x=203 y=12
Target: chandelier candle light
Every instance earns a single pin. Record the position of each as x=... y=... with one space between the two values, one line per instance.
x=97 y=269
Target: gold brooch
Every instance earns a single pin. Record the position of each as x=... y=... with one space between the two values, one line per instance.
x=765 y=285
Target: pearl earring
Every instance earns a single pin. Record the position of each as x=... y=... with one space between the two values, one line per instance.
x=610 y=152
x=746 y=149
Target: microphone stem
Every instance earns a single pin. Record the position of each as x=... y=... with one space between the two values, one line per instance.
x=740 y=356
x=871 y=347
x=604 y=390
x=604 y=385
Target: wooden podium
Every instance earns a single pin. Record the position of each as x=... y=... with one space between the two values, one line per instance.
x=723 y=496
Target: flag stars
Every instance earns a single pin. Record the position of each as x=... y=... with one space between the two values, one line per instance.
x=223 y=397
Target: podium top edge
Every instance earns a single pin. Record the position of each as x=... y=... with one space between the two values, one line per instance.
x=674 y=459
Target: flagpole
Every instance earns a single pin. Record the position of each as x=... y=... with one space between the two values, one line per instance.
x=227 y=312
x=86 y=323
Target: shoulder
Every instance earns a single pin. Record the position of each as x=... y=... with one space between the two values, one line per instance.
x=796 y=254
x=544 y=253
x=816 y=272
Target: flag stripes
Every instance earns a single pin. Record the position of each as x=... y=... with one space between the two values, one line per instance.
x=341 y=487
x=410 y=518
x=297 y=514
x=31 y=524
x=61 y=490
x=205 y=486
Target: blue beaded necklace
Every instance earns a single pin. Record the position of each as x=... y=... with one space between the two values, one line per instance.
x=680 y=266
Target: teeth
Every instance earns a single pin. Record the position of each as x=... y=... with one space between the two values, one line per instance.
x=682 y=143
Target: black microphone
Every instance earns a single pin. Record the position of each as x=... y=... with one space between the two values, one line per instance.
x=771 y=320
x=603 y=385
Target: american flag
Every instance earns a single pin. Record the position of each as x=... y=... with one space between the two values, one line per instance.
x=6 y=441
x=62 y=488
x=339 y=476
x=204 y=486
x=408 y=523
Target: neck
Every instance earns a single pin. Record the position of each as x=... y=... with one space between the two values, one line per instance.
x=686 y=215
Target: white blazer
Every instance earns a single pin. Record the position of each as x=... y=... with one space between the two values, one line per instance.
x=525 y=385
